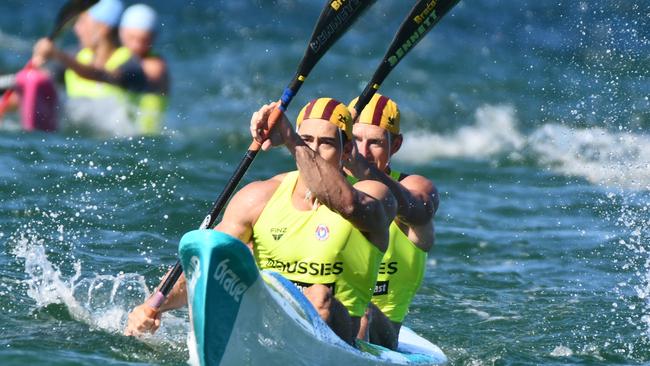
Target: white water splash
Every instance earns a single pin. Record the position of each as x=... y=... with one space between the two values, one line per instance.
x=100 y=118
x=101 y=301
x=602 y=157
x=562 y=351
x=494 y=132
x=90 y=300
x=632 y=216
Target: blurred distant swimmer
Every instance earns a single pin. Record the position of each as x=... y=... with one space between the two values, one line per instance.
x=138 y=30
x=102 y=71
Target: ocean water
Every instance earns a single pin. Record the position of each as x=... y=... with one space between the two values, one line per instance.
x=532 y=118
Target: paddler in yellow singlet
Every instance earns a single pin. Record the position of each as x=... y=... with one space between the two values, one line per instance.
x=102 y=70
x=311 y=225
x=377 y=136
x=138 y=30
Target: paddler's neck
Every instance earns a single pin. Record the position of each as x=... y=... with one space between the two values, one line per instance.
x=302 y=198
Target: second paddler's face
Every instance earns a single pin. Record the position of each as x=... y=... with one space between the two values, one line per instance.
x=323 y=137
x=374 y=144
x=137 y=40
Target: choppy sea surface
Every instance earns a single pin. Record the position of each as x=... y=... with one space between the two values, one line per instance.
x=531 y=117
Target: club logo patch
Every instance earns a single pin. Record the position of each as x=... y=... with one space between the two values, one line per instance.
x=278 y=232
x=322 y=232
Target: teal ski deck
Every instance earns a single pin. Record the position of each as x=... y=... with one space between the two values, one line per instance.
x=240 y=315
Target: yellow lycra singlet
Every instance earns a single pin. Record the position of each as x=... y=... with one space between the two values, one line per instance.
x=401 y=271
x=145 y=109
x=317 y=246
x=152 y=106
x=152 y=110
x=78 y=87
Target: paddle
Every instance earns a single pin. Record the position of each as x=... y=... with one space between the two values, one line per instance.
x=337 y=16
x=423 y=16
x=67 y=12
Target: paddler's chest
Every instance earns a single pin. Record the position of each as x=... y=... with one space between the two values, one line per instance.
x=292 y=234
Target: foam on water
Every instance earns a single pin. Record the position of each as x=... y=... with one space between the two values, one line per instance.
x=56 y=244
x=611 y=159
x=99 y=118
x=562 y=351
x=493 y=133
x=606 y=158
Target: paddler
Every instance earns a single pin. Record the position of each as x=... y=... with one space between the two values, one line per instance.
x=138 y=31
x=102 y=70
x=377 y=137
x=311 y=225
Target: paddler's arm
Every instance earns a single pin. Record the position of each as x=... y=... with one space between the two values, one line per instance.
x=85 y=71
x=145 y=319
x=155 y=69
x=177 y=297
x=134 y=79
x=45 y=50
x=417 y=197
x=368 y=205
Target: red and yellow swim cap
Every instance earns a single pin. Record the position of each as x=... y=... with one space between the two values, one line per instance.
x=380 y=111
x=328 y=109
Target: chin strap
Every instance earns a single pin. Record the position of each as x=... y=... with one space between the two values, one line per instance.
x=341 y=145
x=390 y=143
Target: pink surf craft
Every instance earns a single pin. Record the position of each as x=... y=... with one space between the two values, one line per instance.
x=38 y=100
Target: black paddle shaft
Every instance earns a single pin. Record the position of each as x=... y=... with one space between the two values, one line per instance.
x=335 y=19
x=423 y=16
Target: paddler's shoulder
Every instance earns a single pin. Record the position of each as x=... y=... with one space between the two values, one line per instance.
x=419 y=183
x=269 y=184
x=260 y=191
x=372 y=187
x=422 y=188
x=155 y=67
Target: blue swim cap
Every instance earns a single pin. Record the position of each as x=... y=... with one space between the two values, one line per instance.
x=107 y=12
x=140 y=16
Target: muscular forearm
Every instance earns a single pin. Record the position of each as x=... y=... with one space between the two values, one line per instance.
x=325 y=181
x=327 y=184
x=411 y=209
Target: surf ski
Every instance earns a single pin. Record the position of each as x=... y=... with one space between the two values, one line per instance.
x=239 y=315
